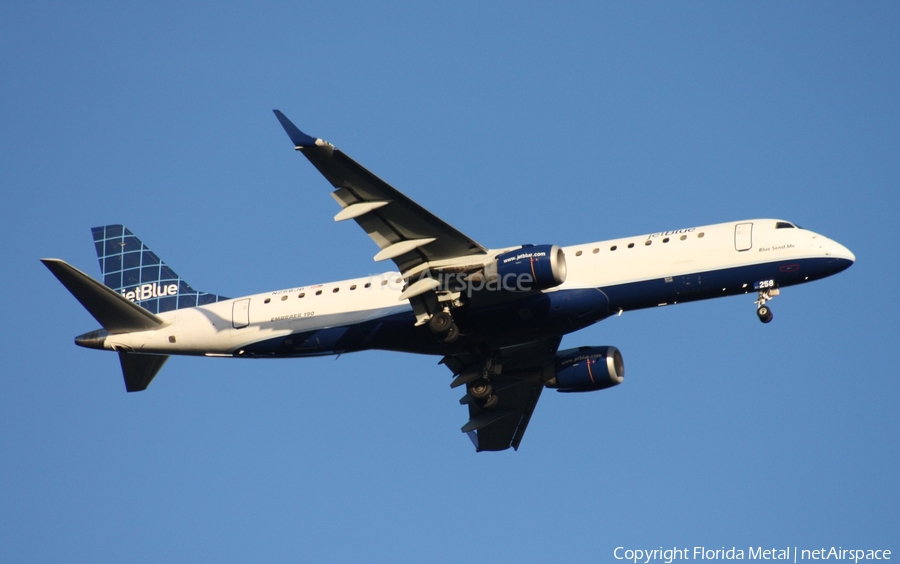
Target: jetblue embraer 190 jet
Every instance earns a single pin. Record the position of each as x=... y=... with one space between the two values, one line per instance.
x=495 y=316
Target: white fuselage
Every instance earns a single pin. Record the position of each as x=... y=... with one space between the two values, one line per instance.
x=224 y=328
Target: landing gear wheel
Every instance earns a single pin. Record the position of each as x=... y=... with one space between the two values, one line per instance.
x=441 y=322
x=480 y=389
x=762 y=310
x=452 y=334
x=491 y=402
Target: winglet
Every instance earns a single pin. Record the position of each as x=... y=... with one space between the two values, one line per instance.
x=299 y=138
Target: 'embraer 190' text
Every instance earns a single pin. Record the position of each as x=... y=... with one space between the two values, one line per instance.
x=149 y=291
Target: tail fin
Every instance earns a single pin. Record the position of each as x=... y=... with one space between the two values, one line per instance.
x=135 y=272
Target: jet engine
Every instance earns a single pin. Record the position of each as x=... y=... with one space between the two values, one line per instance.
x=532 y=267
x=587 y=369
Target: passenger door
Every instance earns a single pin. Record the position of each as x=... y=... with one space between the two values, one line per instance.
x=240 y=314
x=743 y=236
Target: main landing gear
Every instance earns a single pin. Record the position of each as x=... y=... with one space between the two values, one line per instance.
x=480 y=390
x=442 y=325
x=483 y=392
x=763 y=311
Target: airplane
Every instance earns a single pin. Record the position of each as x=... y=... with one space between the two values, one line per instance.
x=495 y=316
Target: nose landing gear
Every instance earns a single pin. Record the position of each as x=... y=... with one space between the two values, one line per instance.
x=763 y=311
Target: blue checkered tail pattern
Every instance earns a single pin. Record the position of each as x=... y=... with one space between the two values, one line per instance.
x=134 y=271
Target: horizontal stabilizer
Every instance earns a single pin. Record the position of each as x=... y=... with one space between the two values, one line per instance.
x=139 y=369
x=114 y=312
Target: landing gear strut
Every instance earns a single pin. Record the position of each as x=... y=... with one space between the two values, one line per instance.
x=482 y=389
x=442 y=325
x=763 y=311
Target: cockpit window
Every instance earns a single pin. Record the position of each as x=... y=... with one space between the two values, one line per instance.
x=784 y=225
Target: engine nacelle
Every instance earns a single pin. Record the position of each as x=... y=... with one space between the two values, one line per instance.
x=533 y=267
x=587 y=369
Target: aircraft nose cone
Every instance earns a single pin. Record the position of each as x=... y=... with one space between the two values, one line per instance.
x=841 y=252
x=842 y=258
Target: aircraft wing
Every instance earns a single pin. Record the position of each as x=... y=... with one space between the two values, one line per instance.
x=517 y=378
x=504 y=426
x=413 y=237
x=406 y=232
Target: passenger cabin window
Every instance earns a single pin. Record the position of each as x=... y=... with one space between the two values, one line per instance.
x=577 y=253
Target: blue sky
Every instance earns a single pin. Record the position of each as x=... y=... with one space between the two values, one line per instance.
x=516 y=122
